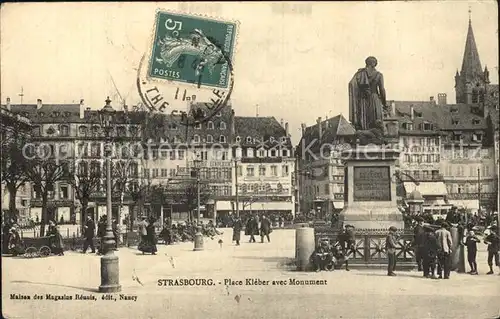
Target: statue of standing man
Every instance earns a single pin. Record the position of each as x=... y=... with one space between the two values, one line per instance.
x=367 y=97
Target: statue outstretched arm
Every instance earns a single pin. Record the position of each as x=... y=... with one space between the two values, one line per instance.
x=381 y=90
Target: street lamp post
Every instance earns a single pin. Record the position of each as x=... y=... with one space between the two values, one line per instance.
x=110 y=279
x=198 y=237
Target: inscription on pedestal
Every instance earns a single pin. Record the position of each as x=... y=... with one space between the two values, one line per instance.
x=372 y=184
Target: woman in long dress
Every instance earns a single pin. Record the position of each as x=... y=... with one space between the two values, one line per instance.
x=56 y=242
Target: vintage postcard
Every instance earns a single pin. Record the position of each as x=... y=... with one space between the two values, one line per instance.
x=250 y=160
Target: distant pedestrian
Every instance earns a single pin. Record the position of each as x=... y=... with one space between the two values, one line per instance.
x=237 y=227
x=390 y=247
x=493 y=242
x=430 y=252
x=265 y=229
x=252 y=228
x=347 y=241
x=418 y=237
x=471 y=243
x=56 y=241
x=89 y=233
x=445 y=243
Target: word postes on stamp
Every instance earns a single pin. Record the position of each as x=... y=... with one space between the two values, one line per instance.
x=190 y=74
x=192 y=49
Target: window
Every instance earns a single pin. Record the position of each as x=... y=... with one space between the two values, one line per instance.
x=219 y=114
x=262 y=171
x=273 y=153
x=460 y=189
x=274 y=170
x=154 y=173
x=181 y=154
x=222 y=125
x=122 y=131
x=146 y=172
x=475 y=121
x=427 y=127
x=83 y=168
x=95 y=149
x=210 y=138
x=164 y=154
x=284 y=153
x=172 y=172
x=327 y=189
x=477 y=137
x=261 y=153
x=82 y=130
x=64 y=192
x=64 y=130
x=249 y=139
x=196 y=138
x=240 y=171
x=250 y=152
x=284 y=170
x=455 y=121
x=210 y=125
x=172 y=155
x=222 y=139
x=238 y=139
x=250 y=171
x=197 y=126
x=457 y=137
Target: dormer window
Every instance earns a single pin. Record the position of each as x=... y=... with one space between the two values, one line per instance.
x=222 y=139
x=219 y=114
x=417 y=114
x=475 y=121
x=477 y=137
x=455 y=121
x=222 y=125
x=197 y=126
x=196 y=138
x=210 y=125
x=261 y=153
x=283 y=139
x=173 y=126
x=210 y=138
x=454 y=110
x=238 y=139
x=57 y=114
x=407 y=126
x=249 y=139
x=82 y=130
x=457 y=137
x=427 y=126
x=64 y=130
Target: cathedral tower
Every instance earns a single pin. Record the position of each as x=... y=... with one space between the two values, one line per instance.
x=471 y=82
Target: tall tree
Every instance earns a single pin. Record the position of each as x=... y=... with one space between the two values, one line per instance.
x=43 y=171
x=186 y=193
x=13 y=166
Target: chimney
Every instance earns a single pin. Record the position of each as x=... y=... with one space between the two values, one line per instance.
x=412 y=112
x=431 y=99
x=393 y=108
x=286 y=129
x=82 y=109
x=442 y=99
x=320 y=129
x=38 y=104
x=303 y=127
x=8 y=104
x=282 y=124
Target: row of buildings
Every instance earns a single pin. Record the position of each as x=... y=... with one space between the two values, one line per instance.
x=450 y=149
x=251 y=156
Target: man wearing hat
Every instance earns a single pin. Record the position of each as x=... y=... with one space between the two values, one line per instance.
x=390 y=248
x=429 y=252
x=493 y=242
x=322 y=256
x=347 y=242
x=445 y=243
x=418 y=238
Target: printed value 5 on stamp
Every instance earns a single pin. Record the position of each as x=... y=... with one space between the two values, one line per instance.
x=192 y=49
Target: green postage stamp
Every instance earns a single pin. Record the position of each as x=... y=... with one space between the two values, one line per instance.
x=192 y=49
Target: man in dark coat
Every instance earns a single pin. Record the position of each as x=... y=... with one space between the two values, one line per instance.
x=237 y=227
x=89 y=233
x=390 y=247
x=252 y=228
x=429 y=252
x=418 y=238
x=347 y=241
x=265 y=229
x=493 y=242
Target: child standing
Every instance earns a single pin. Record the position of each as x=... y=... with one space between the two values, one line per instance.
x=471 y=243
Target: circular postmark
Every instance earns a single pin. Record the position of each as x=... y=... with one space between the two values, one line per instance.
x=190 y=60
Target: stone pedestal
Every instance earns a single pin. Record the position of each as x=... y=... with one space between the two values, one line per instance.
x=370 y=188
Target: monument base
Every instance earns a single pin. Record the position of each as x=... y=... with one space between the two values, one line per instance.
x=375 y=217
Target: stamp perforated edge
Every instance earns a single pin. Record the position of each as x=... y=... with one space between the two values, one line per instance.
x=151 y=42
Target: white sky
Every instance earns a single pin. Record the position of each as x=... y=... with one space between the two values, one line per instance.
x=294 y=66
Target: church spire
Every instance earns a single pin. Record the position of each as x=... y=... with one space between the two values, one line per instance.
x=471 y=65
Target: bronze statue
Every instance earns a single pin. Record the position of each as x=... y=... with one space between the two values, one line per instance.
x=367 y=102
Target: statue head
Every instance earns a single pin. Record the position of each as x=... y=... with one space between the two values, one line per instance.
x=371 y=61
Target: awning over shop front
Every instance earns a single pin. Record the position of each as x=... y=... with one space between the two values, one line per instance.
x=437 y=202
x=464 y=203
x=338 y=205
x=427 y=188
